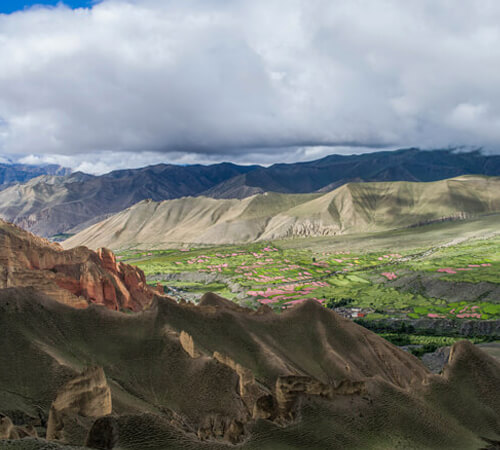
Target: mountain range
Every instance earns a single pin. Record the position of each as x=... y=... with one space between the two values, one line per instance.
x=12 y=173
x=328 y=173
x=213 y=375
x=351 y=208
x=51 y=205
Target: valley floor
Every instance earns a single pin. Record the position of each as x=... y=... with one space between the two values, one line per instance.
x=446 y=286
x=451 y=281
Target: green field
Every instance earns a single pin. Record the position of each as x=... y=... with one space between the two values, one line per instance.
x=457 y=280
x=418 y=345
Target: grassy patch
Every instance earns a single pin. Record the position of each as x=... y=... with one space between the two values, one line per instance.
x=425 y=344
x=282 y=276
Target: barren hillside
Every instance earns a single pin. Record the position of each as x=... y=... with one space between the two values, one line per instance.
x=352 y=208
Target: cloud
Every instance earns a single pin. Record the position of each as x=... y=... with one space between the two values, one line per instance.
x=260 y=80
x=103 y=162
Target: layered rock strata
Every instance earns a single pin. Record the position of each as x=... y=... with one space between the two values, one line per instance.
x=77 y=277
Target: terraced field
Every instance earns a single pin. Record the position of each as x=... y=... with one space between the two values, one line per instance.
x=451 y=281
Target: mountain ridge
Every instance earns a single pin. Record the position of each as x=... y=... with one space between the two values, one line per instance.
x=260 y=389
x=50 y=208
x=12 y=173
x=415 y=164
x=351 y=208
x=56 y=207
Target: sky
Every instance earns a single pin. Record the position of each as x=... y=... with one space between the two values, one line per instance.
x=10 y=6
x=125 y=83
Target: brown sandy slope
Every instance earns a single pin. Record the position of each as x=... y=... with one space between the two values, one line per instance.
x=352 y=208
x=191 y=377
x=77 y=277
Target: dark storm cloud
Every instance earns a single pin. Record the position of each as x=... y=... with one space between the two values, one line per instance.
x=211 y=79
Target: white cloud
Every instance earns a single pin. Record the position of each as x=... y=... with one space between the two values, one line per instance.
x=256 y=81
x=98 y=163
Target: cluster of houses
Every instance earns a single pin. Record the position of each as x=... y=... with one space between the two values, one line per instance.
x=352 y=313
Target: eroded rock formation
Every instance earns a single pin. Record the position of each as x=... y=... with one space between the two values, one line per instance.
x=87 y=395
x=221 y=428
x=248 y=388
x=10 y=431
x=188 y=345
x=289 y=388
x=76 y=277
x=7 y=428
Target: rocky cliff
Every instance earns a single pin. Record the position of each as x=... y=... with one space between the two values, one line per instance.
x=76 y=277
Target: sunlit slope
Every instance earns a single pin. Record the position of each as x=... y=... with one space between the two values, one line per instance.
x=352 y=208
x=368 y=207
x=189 y=219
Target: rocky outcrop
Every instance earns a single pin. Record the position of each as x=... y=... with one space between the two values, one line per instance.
x=27 y=431
x=188 y=345
x=221 y=428
x=76 y=277
x=265 y=408
x=87 y=395
x=7 y=428
x=289 y=388
x=436 y=360
x=248 y=389
x=108 y=259
x=160 y=288
x=99 y=279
